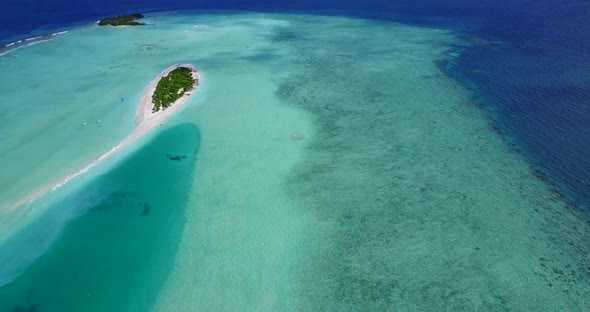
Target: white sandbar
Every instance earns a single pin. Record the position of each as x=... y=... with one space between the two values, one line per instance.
x=146 y=119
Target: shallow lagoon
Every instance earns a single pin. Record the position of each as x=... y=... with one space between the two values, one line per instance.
x=339 y=168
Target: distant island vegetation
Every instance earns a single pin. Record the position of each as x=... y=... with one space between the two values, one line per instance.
x=172 y=87
x=122 y=20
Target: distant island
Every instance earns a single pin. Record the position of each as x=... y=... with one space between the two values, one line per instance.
x=122 y=20
x=173 y=86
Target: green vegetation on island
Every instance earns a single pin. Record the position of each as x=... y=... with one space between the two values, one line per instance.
x=122 y=20
x=172 y=87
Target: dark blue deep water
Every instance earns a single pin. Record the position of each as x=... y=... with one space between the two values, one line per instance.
x=534 y=81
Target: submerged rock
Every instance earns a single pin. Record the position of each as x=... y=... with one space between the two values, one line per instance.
x=146 y=210
x=297 y=137
x=176 y=157
x=31 y=308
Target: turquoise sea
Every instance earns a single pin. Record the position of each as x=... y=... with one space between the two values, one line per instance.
x=331 y=165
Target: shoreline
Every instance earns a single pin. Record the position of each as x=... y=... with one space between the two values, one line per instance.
x=145 y=120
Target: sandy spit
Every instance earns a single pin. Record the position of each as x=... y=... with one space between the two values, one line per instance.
x=145 y=120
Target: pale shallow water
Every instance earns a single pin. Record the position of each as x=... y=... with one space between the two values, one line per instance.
x=338 y=169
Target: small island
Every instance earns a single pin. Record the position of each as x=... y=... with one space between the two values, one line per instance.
x=122 y=20
x=166 y=93
x=146 y=116
x=172 y=87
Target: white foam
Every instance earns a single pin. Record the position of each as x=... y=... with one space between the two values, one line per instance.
x=60 y=33
x=33 y=38
x=10 y=44
x=22 y=46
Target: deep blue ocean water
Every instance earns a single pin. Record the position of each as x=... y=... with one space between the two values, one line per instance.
x=534 y=78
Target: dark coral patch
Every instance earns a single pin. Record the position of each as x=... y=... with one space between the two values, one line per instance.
x=176 y=157
x=146 y=210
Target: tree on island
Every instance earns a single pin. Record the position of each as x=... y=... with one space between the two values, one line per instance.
x=122 y=20
x=172 y=87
